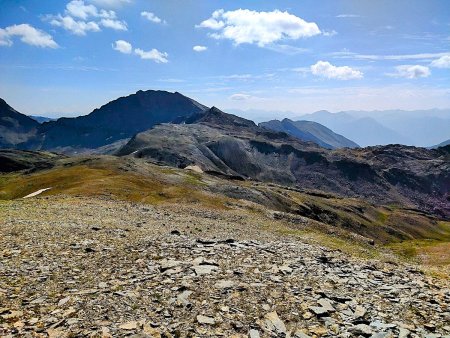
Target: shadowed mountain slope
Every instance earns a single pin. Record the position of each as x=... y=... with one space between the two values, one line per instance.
x=116 y=120
x=310 y=131
x=15 y=128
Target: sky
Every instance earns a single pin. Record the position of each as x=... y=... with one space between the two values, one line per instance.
x=66 y=58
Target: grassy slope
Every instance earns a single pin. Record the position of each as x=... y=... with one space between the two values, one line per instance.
x=333 y=220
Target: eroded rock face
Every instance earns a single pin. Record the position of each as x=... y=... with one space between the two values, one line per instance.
x=142 y=280
x=230 y=146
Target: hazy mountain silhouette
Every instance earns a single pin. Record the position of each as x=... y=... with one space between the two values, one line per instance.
x=310 y=131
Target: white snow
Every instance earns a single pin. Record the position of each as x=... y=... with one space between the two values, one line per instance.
x=40 y=191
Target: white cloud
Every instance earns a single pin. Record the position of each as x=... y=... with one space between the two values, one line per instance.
x=154 y=54
x=76 y=27
x=28 y=34
x=123 y=46
x=411 y=71
x=406 y=96
x=330 y=33
x=240 y=97
x=77 y=8
x=261 y=28
x=326 y=69
x=114 y=24
x=372 y=57
x=107 y=14
x=110 y=3
x=199 y=48
x=80 y=18
x=152 y=17
x=348 y=16
x=442 y=62
x=286 y=49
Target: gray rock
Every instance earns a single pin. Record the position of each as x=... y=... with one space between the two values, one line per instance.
x=274 y=323
x=205 y=320
x=326 y=304
x=204 y=269
x=387 y=334
x=182 y=298
x=224 y=284
x=300 y=334
x=318 y=310
x=360 y=311
x=254 y=333
x=361 y=329
x=403 y=333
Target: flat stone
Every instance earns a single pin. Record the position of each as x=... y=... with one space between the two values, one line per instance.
x=318 y=310
x=205 y=320
x=360 y=311
x=285 y=269
x=361 y=329
x=224 y=284
x=254 y=333
x=274 y=323
x=403 y=333
x=63 y=301
x=129 y=326
x=167 y=264
x=300 y=334
x=326 y=304
x=204 y=269
x=387 y=334
x=182 y=298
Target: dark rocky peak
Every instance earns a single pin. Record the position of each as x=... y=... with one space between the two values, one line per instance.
x=217 y=118
x=118 y=119
x=11 y=118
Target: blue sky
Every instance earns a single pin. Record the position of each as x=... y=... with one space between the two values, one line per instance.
x=69 y=57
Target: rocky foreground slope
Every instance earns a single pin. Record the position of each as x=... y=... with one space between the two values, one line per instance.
x=97 y=267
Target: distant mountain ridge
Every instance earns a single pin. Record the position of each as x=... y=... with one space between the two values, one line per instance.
x=417 y=128
x=310 y=131
x=442 y=144
x=114 y=121
x=42 y=119
x=420 y=128
x=365 y=131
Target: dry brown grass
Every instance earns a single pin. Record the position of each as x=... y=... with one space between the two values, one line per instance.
x=82 y=180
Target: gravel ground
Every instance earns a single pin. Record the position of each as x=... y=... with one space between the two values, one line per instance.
x=95 y=267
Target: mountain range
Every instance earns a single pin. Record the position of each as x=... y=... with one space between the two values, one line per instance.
x=421 y=128
x=172 y=129
x=116 y=120
x=310 y=131
x=229 y=146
